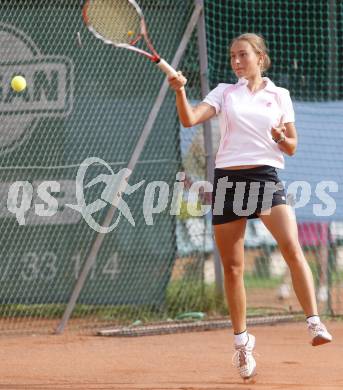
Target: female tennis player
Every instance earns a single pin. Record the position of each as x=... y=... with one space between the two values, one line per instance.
x=257 y=127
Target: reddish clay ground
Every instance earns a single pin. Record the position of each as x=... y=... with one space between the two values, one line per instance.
x=182 y=361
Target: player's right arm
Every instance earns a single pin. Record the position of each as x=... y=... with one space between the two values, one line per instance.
x=189 y=115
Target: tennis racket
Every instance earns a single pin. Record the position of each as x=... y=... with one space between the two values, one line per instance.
x=121 y=23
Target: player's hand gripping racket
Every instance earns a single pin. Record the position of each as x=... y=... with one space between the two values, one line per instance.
x=121 y=23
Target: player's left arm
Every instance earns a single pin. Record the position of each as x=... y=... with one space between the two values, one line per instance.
x=287 y=134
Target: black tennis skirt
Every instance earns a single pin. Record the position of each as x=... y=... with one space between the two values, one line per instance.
x=245 y=193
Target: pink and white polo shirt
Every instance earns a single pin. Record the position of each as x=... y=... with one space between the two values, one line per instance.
x=245 y=121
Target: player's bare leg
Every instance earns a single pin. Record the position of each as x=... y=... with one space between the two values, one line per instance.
x=230 y=242
x=282 y=224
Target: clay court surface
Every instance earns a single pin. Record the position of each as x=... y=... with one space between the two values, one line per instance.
x=181 y=361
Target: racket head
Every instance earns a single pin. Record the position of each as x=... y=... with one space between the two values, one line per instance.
x=117 y=22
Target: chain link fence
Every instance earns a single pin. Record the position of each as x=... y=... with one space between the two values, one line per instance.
x=85 y=99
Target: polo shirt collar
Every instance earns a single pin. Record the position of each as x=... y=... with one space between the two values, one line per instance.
x=270 y=86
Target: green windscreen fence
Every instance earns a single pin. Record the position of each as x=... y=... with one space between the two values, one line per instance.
x=84 y=99
x=77 y=124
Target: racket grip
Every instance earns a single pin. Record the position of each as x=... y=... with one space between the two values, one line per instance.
x=166 y=68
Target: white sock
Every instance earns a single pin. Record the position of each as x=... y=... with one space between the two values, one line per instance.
x=313 y=320
x=241 y=338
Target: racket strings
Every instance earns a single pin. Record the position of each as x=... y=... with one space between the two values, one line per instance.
x=115 y=20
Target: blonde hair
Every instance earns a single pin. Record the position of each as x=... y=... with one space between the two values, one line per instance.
x=258 y=44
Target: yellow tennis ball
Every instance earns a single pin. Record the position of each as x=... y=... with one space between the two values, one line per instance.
x=18 y=83
x=130 y=33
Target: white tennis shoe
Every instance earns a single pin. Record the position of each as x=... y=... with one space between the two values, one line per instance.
x=319 y=334
x=243 y=358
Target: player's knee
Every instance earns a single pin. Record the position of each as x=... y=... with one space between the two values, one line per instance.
x=233 y=270
x=292 y=252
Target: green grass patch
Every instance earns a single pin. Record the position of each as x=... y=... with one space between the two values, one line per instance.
x=251 y=281
x=193 y=296
x=181 y=297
